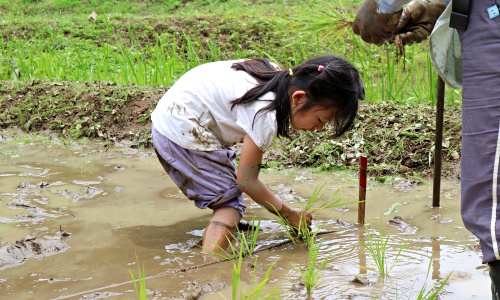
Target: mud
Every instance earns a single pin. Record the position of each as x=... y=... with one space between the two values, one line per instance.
x=84 y=216
x=42 y=243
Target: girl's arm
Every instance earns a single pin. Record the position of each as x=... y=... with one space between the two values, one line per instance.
x=248 y=176
x=248 y=180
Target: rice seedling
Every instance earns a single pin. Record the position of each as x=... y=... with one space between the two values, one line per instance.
x=255 y=291
x=243 y=243
x=433 y=291
x=377 y=247
x=248 y=239
x=236 y=274
x=140 y=288
x=313 y=274
x=313 y=203
x=303 y=233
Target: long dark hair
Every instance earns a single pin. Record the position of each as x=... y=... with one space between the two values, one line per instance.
x=338 y=85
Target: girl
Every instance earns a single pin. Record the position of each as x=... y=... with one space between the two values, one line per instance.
x=218 y=104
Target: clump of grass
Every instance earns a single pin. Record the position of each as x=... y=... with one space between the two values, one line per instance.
x=248 y=239
x=312 y=205
x=312 y=275
x=433 y=292
x=256 y=291
x=140 y=288
x=247 y=242
x=330 y=22
x=242 y=243
x=377 y=246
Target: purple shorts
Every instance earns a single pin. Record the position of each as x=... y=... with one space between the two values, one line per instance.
x=206 y=177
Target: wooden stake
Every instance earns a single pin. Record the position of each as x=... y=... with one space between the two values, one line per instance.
x=438 y=144
x=362 y=189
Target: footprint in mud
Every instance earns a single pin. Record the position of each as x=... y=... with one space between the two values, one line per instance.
x=12 y=255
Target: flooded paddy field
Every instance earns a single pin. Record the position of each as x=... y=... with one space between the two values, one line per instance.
x=76 y=218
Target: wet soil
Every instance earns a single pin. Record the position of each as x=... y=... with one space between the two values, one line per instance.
x=82 y=216
x=398 y=139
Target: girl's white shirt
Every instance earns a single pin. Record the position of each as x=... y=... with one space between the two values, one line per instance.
x=195 y=112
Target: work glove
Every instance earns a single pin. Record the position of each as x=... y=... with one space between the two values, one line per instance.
x=296 y=217
x=373 y=26
x=418 y=19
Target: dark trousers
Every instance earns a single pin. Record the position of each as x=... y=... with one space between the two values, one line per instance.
x=495 y=279
x=480 y=186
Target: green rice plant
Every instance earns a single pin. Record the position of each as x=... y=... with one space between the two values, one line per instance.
x=295 y=234
x=312 y=275
x=140 y=288
x=255 y=291
x=303 y=233
x=331 y=22
x=433 y=292
x=313 y=204
x=248 y=239
x=242 y=244
x=377 y=247
x=236 y=275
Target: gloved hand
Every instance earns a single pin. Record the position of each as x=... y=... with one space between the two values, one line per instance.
x=296 y=217
x=373 y=26
x=418 y=19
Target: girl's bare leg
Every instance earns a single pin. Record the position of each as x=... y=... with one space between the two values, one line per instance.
x=220 y=230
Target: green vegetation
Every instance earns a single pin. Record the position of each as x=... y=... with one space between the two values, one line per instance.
x=101 y=76
x=316 y=202
x=257 y=287
x=433 y=292
x=154 y=42
x=377 y=246
x=313 y=273
x=140 y=288
x=248 y=239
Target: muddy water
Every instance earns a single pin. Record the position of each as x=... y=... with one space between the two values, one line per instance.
x=75 y=218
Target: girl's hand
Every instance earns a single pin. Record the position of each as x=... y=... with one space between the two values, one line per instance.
x=296 y=217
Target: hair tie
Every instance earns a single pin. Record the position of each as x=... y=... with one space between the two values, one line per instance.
x=320 y=68
x=290 y=72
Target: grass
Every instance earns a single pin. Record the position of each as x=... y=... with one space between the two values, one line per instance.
x=248 y=239
x=243 y=247
x=257 y=287
x=153 y=43
x=140 y=288
x=377 y=247
x=315 y=203
x=242 y=244
x=313 y=273
x=433 y=292
x=144 y=44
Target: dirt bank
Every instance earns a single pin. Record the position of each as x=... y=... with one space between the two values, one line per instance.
x=396 y=138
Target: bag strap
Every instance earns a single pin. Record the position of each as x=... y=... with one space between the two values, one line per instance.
x=459 y=14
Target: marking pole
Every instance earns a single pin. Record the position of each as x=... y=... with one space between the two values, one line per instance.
x=362 y=189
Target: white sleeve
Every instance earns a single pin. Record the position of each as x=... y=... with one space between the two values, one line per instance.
x=390 y=6
x=261 y=127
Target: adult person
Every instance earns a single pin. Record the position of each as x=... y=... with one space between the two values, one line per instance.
x=480 y=44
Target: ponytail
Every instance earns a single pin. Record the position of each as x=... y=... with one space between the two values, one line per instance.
x=269 y=80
